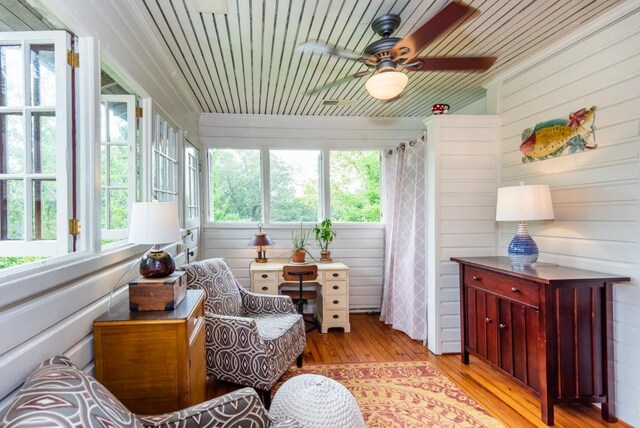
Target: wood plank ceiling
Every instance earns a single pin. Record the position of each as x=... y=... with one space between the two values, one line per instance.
x=246 y=62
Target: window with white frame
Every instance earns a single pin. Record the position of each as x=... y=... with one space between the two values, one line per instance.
x=192 y=186
x=118 y=157
x=303 y=186
x=167 y=143
x=35 y=146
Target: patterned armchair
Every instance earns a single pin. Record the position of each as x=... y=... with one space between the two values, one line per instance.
x=251 y=338
x=58 y=394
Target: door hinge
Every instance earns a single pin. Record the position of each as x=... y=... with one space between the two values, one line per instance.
x=74 y=227
x=73 y=59
x=138 y=111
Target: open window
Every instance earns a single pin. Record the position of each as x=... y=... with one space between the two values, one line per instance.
x=35 y=146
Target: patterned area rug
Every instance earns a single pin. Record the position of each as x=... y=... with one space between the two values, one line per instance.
x=403 y=395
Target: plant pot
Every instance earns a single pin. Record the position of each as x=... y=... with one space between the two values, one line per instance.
x=298 y=256
x=325 y=256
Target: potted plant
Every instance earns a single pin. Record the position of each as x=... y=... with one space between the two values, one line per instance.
x=299 y=241
x=324 y=236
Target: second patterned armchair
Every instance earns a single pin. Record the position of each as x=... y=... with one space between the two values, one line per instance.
x=251 y=338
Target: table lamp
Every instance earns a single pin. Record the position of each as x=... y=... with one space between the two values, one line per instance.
x=155 y=223
x=261 y=240
x=522 y=203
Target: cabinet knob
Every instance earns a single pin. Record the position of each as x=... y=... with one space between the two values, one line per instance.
x=502 y=326
x=336 y=317
x=335 y=274
x=265 y=288
x=335 y=287
x=191 y=253
x=487 y=320
x=477 y=278
x=515 y=290
x=335 y=302
x=264 y=275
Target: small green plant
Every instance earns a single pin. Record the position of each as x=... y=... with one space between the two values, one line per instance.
x=324 y=234
x=299 y=239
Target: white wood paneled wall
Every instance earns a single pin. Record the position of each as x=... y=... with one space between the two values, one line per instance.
x=462 y=160
x=359 y=246
x=595 y=193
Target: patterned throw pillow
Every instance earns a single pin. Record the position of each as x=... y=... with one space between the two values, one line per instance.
x=59 y=394
x=216 y=279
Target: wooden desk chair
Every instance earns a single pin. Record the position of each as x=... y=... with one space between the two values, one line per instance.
x=300 y=297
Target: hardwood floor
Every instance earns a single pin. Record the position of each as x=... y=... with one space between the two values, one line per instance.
x=372 y=341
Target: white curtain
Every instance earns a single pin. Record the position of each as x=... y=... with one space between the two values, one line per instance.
x=404 y=294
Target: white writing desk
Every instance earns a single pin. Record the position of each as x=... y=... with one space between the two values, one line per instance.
x=332 y=305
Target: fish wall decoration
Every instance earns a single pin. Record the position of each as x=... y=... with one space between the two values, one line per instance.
x=557 y=137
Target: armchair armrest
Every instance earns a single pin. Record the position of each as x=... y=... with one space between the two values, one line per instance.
x=234 y=325
x=228 y=410
x=255 y=303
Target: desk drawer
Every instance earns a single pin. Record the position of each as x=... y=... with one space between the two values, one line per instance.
x=331 y=317
x=511 y=288
x=335 y=288
x=335 y=274
x=266 y=276
x=334 y=302
x=262 y=287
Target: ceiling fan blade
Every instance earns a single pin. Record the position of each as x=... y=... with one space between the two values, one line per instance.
x=450 y=15
x=453 y=63
x=316 y=46
x=346 y=79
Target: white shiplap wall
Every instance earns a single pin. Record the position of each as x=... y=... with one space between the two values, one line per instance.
x=359 y=246
x=595 y=193
x=462 y=160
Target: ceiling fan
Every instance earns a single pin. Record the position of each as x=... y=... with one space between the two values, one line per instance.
x=387 y=56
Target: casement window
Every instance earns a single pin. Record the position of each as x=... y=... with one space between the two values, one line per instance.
x=303 y=185
x=35 y=146
x=192 y=186
x=167 y=143
x=118 y=164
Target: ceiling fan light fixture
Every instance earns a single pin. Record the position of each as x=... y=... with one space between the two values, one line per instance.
x=386 y=85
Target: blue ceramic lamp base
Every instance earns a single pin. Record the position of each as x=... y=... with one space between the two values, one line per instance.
x=522 y=250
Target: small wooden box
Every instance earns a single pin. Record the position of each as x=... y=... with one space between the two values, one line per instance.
x=157 y=294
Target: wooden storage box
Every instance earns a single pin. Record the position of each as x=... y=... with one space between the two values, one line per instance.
x=157 y=294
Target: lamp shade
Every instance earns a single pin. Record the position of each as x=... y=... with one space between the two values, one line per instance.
x=516 y=203
x=154 y=223
x=260 y=240
x=386 y=85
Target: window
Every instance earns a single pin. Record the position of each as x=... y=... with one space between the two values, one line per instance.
x=192 y=186
x=294 y=185
x=302 y=185
x=355 y=186
x=166 y=142
x=235 y=181
x=35 y=143
x=118 y=157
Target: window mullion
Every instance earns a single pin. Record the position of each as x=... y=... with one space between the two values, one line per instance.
x=325 y=179
x=266 y=185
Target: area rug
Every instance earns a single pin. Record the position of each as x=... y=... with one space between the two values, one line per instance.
x=403 y=395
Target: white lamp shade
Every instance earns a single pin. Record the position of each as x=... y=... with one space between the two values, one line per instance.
x=517 y=203
x=386 y=85
x=154 y=223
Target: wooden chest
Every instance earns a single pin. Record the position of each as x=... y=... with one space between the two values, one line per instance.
x=157 y=294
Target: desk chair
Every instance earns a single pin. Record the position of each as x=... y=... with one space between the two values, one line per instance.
x=302 y=273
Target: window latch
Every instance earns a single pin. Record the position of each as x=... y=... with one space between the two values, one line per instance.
x=74 y=227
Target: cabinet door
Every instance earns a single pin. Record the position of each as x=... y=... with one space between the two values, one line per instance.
x=482 y=315
x=197 y=366
x=518 y=327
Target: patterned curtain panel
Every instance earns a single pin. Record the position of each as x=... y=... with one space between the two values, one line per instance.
x=404 y=295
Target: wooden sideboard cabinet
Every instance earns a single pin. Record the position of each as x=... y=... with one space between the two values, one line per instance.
x=547 y=327
x=154 y=361
x=332 y=305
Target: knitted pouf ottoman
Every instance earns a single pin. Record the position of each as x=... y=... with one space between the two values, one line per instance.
x=316 y=401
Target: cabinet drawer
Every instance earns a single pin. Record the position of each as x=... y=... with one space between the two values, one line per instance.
x=511 y=288
x=334 y=302
x=266 y=276
x=331 y=317
x=265 y=287
x=195 y=320
x=335 y=288
x=335 y=274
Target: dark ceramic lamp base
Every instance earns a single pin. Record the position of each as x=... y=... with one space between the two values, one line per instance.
x=157 y=264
